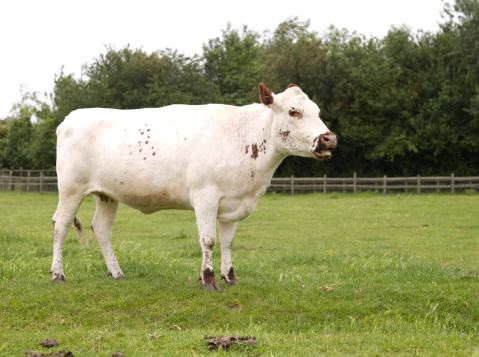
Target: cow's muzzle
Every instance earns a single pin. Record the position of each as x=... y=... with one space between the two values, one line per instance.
x=325 y=144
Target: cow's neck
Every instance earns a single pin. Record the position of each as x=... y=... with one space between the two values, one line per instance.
x=258 y=141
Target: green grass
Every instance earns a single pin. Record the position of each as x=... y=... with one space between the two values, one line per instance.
x=364 y=274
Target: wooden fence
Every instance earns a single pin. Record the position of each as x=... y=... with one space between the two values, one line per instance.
x=413 y=184
x=45 y=181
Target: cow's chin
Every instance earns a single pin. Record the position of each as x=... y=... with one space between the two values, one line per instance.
x=322 y=154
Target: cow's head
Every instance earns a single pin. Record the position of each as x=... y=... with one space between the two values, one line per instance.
x=297 y=126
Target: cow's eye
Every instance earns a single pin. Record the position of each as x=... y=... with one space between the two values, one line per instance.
x=295 y=113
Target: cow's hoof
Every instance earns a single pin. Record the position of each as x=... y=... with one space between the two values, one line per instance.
x=231 y=282
x=119 y=276
x=231 y=279
x=59 y=278
x=212 y=287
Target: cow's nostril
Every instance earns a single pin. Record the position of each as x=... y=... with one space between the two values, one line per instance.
x=326 y=138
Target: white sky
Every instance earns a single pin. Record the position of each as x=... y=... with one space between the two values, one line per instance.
x=38 y=37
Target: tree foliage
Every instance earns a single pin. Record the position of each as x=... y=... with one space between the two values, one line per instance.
x=405 y=104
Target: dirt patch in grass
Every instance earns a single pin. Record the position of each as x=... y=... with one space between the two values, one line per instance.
x=227 y=341
x=49 y=343
x=51 y=354
x=470 y=274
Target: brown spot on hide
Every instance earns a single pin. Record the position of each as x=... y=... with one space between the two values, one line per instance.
x=142 y=132
x=210 y=245
x=246 y=149
x=154 y=154
x=146 y=142
x=209 y=276
x=147 y=129
x=146 y=124
x=231 y=274
x=144 y=158
x=254 y=149
x=283 y=134
x=140 y=150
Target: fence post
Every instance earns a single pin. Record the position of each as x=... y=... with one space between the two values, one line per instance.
x=292 y=185
x=354 y=182
x=452 y=183
x=325 y=184
x=385 y=182
x=418 y=184
x=28 y=181
x=41 y=181
x=10 y=186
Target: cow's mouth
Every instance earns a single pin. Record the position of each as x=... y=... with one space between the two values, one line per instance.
x=322 y=154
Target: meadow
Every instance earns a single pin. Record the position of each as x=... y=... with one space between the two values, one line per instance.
x=338 y=274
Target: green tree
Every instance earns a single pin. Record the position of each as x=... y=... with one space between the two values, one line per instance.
x=234 y=65
x=130 y=79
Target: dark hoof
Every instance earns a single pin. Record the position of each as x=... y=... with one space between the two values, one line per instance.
x=119 y=277
x=59 y=278
x=232 y=282
x=211 y=287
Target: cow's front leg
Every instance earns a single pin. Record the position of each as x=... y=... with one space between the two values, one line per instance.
x=227 y=235
x=206 y=221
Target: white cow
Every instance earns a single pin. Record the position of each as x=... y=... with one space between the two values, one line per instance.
x=213 y=159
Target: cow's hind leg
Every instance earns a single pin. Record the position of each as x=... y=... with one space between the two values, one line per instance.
x=227 y=235
x=62 y=219
x=105 y=215
x=206 y=221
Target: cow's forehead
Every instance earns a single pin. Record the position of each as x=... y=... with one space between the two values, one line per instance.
x=295 y=97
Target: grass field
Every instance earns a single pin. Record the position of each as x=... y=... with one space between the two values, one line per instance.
x=364 y=274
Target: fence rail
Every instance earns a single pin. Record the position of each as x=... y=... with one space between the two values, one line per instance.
x=45 y=181
x=416 y=184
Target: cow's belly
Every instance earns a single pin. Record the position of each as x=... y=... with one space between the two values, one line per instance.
x=147 y=198
x=154 y=201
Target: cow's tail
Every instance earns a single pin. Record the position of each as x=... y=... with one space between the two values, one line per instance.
x=81 y=233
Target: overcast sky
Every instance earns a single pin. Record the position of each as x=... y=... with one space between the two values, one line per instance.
x=38 y=37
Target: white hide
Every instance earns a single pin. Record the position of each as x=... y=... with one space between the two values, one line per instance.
x=213 y=159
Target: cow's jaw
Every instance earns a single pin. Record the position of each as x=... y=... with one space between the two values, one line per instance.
x=322 y=154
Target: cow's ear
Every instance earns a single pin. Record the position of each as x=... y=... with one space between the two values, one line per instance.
x=265 y=95
x=294 y=85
